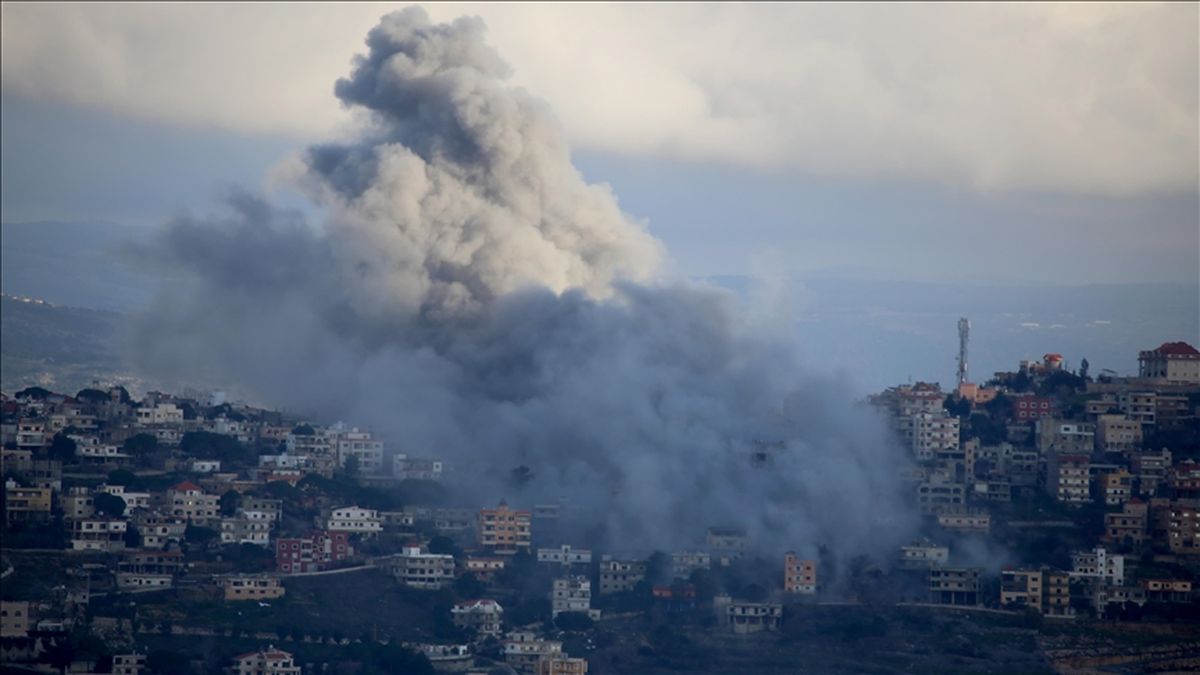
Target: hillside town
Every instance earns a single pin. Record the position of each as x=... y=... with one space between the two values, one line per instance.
x=187 y=533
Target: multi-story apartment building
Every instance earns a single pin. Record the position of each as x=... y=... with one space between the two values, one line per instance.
x=159 y=531
x=572 y=594
x=565 y=556
x=187 y=500
x=561 y=665
x=1116 y=486
x=1139 y=406
x=752 y=617
x=620 y=576
x=1117 y=434
x=98 y=534
x=966 y=520
x=938 y=495
x=1069 y=478
x=799 y=575
x=362 y=446
x=236 y=587
x=1151 y=469
x=484 y=568
x=247 y=527
x=1127 y=528
x=954 y=585
x=1032 y=408
x=1056 y=436
x=417 y=468
x=523 y=650
x=418 y=568
x=26 y=504
x=354 y=519
x=1021 y=588
x=1183 y=535
x=505 y=531
x=312 y=552
x=14 y=619
x=923 y=555
x=1171 y=361
x=934 y=434
x=683 y=563
x=1057 y=601
x=1184 y=479
x=1099 y=563
x=484 y=616
x=159 y=414
x=270 y=661
x=727 y=542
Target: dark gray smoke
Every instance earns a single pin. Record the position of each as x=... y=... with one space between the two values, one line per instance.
x=472 y=295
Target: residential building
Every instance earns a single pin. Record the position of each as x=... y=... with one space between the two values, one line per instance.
x=565 y=556
x=1116 y=486
x=1183 y=536
x=954 y=585
x=483 y=616
x=620 y=576
x=1100 y=564
x=246 y=528
x=159 y=531
x=417 y=468
x=561 y=665
x=799 y=576
x=14 y=619
x=683 y=563
x=934 y=434
x=354 y=519
x=1031 y=408
x=484 y=568
x=923 y=555
x=270 y=661
x=26 y=504
x=363 y=447
x=753 y=617
x=966 y=520
x=187 y=500
x=1069 y=478
x=1140 y=406
x=1151 y=469
x=250 y=587
x=1021 y=588
x=1065 y=437
x=1127 y=528
x=1184 y=479
x=98 y=534
x=727 y=542
x=938 y=495
x=1171 y=361
x=159 y=414
x=572 y=594
x=313 y=552
x=1117 y=434
x=419 y=568
x=147 y=568
x=1167 y=590
x=505 y=531
x=128 y=664
x=1057 y=601
x=523 y=650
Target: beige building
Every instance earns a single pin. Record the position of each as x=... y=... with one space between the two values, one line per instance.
x=250 y=587
x=1118 y=434
x=954 y=585
x=1069 y=478
x=14 y=619
x=484 y=616
x=505 y=531
x=188 y=501
x=1171 y=361
x=1117 y=487
x=523 y=650
x=269 y=662
x=1127 y=527
x=1022 y=588
x=561 y=665
x=934 y=434
x=799 y=576
x=26 y=504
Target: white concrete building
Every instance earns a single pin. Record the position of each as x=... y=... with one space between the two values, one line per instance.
x=354 y=519
x=572 y=594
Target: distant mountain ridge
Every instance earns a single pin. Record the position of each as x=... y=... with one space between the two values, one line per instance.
x=875 y=333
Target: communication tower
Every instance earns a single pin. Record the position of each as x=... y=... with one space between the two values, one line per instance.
x=964 y=333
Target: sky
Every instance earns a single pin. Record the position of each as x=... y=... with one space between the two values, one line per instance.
x=1006 y=143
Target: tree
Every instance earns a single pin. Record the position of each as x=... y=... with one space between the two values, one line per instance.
x=133 y=538
x=62 y=448
x=165 y=662
x=351 y=466
x=304 y=430
x=443 y=545
x=1083 y=369
x=574 y=621
x=109 y=505
x=36 y=393
x=467 y=586
x=122 y=477
x=207 y=445
x=140 y=444
x=196 y=534
x=230 y=501
x=92 y=396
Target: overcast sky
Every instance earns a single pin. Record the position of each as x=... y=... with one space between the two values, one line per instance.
x=1000 y=143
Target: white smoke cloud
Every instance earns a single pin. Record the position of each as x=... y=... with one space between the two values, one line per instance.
x=471 y=295
x=1099 y=98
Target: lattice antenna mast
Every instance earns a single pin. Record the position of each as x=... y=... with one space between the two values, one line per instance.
x=964 y=334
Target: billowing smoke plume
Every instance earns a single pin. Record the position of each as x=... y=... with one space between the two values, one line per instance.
x=472 y=296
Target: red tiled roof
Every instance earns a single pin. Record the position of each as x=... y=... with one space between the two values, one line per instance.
x=186 y=486
x=1177 y=349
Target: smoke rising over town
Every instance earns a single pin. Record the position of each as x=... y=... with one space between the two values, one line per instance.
x=468 y=293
